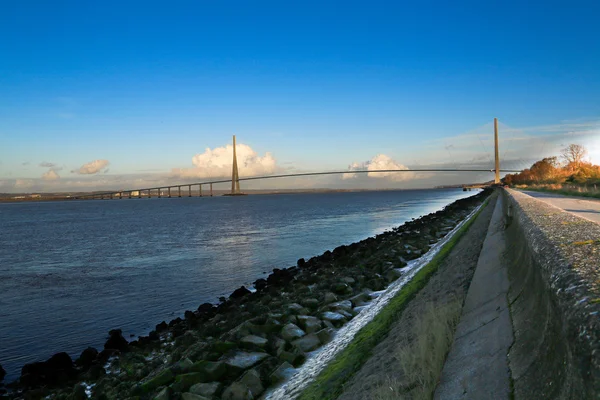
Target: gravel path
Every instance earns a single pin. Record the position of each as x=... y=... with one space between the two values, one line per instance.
x=449 y=282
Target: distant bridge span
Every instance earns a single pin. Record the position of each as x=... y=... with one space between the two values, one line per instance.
x=139 y=193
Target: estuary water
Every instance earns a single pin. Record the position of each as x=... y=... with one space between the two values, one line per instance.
x=71 y=271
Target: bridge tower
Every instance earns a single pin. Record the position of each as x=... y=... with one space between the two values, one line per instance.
x=496 y=155
x=235 y=179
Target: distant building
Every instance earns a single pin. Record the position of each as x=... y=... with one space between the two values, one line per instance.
x=35 y=196
x=135 y=192
x=18 y=197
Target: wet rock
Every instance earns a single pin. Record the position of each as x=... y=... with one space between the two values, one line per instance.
x=211 y=370
x=312 y=303
x=335 y=318
x=392 y=274
x=294 y=357
x=237 y=391
x=116 y=341
x=239 y=293
x=251 y=379
x=329 y=298
x=163 y=378
x=260 y=284
x=345 y=305
x=307 y=343
x=164 y=394
x=276 y=345
x=309 y=323
x=96 y=372
x=79 y=393
x=2 y=373
x=163 y=326
x=206 y=389
x=291 y=332
x=183 y=366
x=348 y=280
x=87 y=357
x=284 y=371
x=325 y=335
x=360 y=299
x=241 y=361
x=56 y=370
x=253 y=342
x=185 y=381
x=296 y=309
x=301 y=263
x=205 y=308
x=341 y=288
x=192 y=396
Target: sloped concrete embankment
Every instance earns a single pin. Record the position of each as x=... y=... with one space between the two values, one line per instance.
x=553 y=260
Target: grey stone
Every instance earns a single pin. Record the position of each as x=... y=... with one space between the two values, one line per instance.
x=348 y=280
x=206 y=389
x=329 y=298
x=253 y=341
x=237 y=391
x=192 y=396
x=164 y=394
x=242 y=361
x=296 y=308
x=307 y=343
x=252 y=381
x=325 y=335
x=282 y=372
x=345 y=305
x=309 y=323
x=313 y=304
x=335 y=318
x=291 y=332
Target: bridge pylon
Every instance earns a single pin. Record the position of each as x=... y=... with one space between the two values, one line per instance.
x=235 y=178
x=496 y=153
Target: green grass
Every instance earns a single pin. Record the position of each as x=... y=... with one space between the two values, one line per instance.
x=423 y=360
x=329 y=383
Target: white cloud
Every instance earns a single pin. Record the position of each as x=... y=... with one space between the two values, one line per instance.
x=380 y=161
x=51 y=175
x=92 y=167
x=218 y=163
x=47 y=164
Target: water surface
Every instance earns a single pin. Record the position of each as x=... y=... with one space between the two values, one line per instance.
x=70 y=271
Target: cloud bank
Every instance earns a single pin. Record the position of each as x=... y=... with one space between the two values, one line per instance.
x=380 y=161
x=92 y=167
x=218 y=163
x=50 y=175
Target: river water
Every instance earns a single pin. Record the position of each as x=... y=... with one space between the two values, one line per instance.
x=71 y=271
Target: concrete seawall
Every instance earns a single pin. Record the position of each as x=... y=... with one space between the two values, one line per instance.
x=553 y=260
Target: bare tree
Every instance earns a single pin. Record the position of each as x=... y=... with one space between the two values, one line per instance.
x=573 y=154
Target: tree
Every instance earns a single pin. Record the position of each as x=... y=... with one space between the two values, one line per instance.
x=544 y=170
x=573 y=155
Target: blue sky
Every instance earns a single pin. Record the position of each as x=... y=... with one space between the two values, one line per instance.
x=147 y=86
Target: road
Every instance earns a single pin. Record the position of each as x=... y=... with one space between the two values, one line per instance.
x=583 y=207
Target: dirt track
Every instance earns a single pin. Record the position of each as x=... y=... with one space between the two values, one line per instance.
x=450 y=282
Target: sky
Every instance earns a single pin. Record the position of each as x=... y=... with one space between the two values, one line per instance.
x=120 y=95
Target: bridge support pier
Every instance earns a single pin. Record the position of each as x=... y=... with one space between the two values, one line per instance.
x=149 y=193
x=179 y=191
x=200 y=190
x=211 y=192
x=159 y=193
x=129 y=194
x=169 y=192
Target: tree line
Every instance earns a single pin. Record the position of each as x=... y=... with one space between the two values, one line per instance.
x=570 y=167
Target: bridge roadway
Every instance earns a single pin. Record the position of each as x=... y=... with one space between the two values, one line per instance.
x=583 y=207
x=129 y=192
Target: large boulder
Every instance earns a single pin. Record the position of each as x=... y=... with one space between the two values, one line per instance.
x=87 y=358
x=2 y=373
x=192 y=396
x=242 y=361
x=163 y=378
x=116 y=341
x=239 y=293
x=253 y=342
x=307 y=343
x=291 y=332
x=206 y=389
x=309 y=323
x=212 y=370
x=335 y=318
x=57 y=370
x=237 y=391
x=284 y=371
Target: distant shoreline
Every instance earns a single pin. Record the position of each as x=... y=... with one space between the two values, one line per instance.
x=44 y=197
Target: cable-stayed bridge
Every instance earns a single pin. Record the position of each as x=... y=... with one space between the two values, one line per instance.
x=185 y=189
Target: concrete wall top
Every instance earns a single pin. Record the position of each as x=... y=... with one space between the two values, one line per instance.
x=567 y=249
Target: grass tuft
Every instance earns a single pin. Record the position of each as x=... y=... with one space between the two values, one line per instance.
x=329 y=383
x=423 y=360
